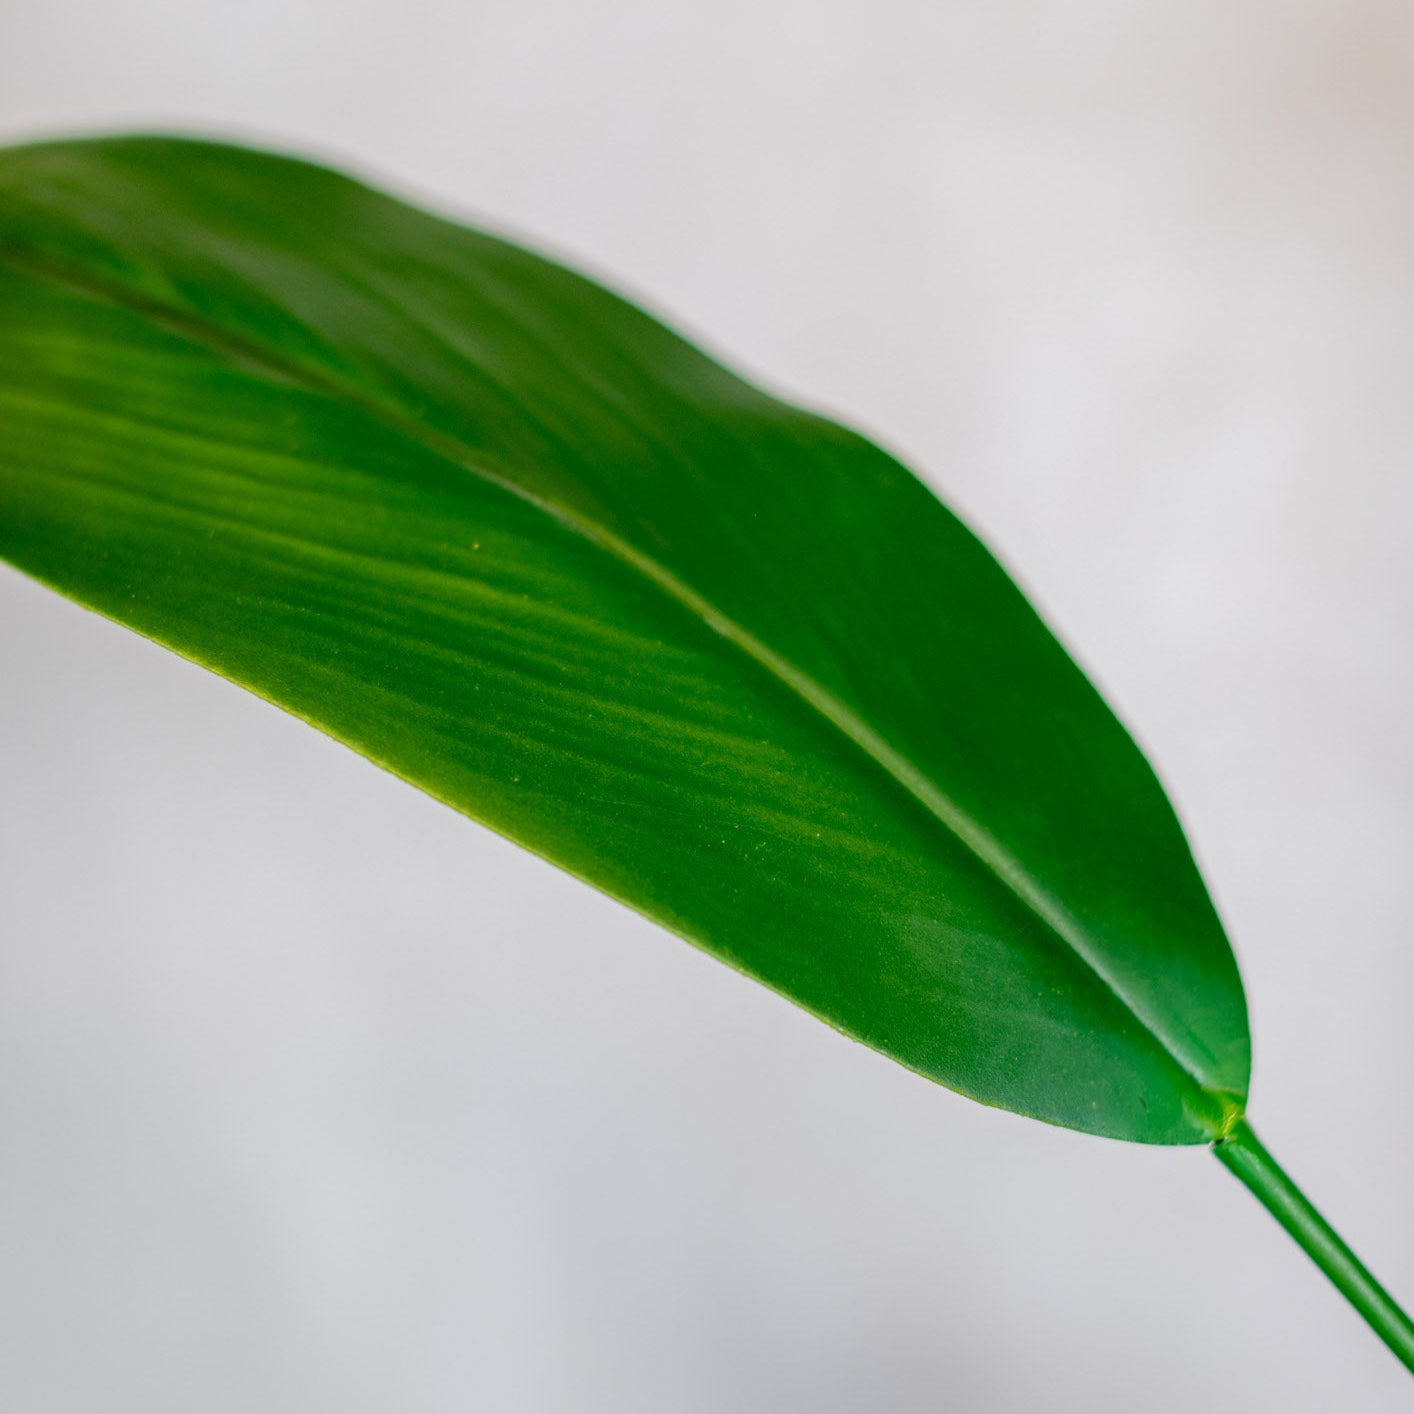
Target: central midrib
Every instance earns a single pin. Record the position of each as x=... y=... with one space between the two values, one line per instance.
x=982 y=844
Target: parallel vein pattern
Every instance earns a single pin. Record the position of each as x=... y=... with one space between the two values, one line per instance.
x=507 y=536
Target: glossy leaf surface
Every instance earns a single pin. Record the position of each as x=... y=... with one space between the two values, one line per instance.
x=509 y=537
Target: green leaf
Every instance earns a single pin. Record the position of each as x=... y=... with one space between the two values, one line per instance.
x=512 y=539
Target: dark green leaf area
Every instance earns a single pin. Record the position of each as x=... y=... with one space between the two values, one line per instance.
x=509 y=537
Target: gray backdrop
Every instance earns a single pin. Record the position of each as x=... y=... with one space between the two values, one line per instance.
x=314 y=1096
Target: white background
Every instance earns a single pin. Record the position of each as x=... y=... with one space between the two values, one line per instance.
x=314 y=1096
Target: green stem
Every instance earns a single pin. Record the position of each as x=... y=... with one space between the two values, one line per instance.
x=1244 y=1154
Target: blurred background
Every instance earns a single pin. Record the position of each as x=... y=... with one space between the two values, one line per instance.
x=315 y=1096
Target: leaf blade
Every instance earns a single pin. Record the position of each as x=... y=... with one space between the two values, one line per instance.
x=792 y=557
